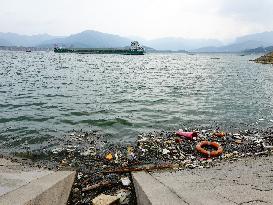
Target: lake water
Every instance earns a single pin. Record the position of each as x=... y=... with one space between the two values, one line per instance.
x=45 y=95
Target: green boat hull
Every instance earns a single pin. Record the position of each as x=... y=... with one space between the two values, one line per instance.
x=99 y=51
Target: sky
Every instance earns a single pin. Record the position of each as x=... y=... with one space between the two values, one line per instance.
x=206 y=19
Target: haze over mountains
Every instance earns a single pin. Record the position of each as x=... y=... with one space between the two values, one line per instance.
x=251 y=41
x=95 y=39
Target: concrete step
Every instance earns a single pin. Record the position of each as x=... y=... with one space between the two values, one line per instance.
x=246 y=181
x=52 y=189
x=151 y=191
x=31 y=186
x=13 y=175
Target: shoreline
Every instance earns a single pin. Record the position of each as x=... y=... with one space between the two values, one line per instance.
x=105 y=168
x=265 y=59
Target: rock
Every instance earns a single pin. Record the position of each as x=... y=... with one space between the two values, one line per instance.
x=265 y=59
x=56 y=150
x=116 y=158
x=105 y=200
x=123 y=196
x=237 y=136
x=79 y=175
x=64 y=162
x=191 y=166
x=228 y=155
x=76 y=190
x=182 y=157
x=238 y=141
x=90 y=151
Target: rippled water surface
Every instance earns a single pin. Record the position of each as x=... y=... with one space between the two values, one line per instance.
x=44 y=95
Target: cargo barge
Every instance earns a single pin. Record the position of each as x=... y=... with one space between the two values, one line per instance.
x=134 y=49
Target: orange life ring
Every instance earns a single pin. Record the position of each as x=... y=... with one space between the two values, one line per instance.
x=219 y=151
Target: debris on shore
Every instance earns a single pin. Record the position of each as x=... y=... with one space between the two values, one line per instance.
x=265 y=59
x=104 y=168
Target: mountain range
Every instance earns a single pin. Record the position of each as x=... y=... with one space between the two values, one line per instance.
x=260 y=50
x=243 y=43
x=95 y=39
x=13 y=39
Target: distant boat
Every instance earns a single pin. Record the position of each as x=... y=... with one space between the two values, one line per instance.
x=134 y=49
x=28 y=51
x=215 y=58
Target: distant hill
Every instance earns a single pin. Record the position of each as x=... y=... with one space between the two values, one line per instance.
x=260 y=50
x=89 y=39
x=235 y=47
x=266 y=38
x=176 y=44
x=13 y=39
x=265 y=59
x=95 y=39
x=243 y=43
x=4 y=42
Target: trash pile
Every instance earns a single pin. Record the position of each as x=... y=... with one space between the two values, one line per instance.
x=104 y=169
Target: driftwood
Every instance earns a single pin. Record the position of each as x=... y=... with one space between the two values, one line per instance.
x=143 y=168
x=98 y=185
x=125 y=170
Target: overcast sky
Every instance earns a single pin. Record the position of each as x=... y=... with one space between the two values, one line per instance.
x=220 y=19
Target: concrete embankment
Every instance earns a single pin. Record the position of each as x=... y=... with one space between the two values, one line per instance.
x=248 y=181
x=27 y=185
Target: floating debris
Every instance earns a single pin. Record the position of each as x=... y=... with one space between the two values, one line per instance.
x=103 y=168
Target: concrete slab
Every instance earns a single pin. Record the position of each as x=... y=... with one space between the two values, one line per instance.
x=151 y=191
x=248 y=181
x=21 y=185
x=13 y=175
x=52 y=189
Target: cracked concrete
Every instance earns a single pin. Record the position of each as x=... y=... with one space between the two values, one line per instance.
x=245 y=182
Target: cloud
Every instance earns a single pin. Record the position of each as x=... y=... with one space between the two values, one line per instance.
x=221 y=19
x=251 y=12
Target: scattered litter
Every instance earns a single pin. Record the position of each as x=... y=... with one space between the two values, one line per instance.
x=188 y=135
x=219 y=134
x=98 y=185
x=109 y=156
x=165 y=151
x=125 y=181
x=103 y=168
